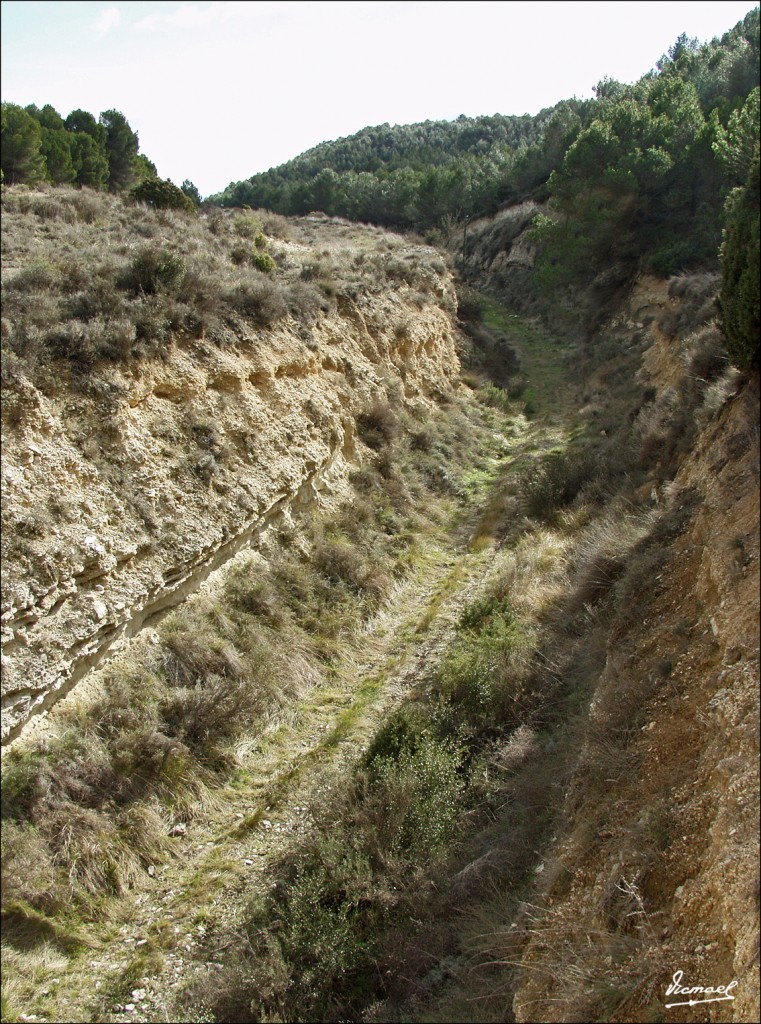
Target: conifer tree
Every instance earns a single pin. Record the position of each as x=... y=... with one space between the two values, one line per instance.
x=22 y=159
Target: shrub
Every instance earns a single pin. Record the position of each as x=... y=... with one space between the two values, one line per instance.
x=252 y=592
x=377 y=426
x=496 y=397
x=89 y=205
x=262 y=261
x=40 y=275
x=213 y=709
x=258 y=298
x=246 y=225
x=162 y=195
x=239 y=254
x=554 y=482
x=402 y=732
x=304 y=300
x=52 y=208
x=342 y=562
x=276 y=226
x=473 y=677
x=418 y=790
x=200 y=291
x=156 y=268
x=705 y=356
x=696 y=306
x=317 y=269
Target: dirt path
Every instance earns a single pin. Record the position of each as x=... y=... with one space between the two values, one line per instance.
x=225 y=855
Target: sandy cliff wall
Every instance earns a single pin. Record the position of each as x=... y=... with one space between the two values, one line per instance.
x=119 y=500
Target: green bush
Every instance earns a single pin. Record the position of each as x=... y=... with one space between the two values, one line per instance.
x=156 y=268
x=472 y=678
x=418 y=790
x=262 y=261
x=496 y=397
x=162 y=195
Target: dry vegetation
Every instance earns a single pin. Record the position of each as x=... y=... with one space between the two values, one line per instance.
x=90 y=808
x=90 y=279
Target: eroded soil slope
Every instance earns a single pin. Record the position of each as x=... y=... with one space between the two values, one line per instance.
x=656 y=870
x=123 y=491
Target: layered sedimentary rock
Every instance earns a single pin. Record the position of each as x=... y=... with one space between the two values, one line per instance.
x=119 y=499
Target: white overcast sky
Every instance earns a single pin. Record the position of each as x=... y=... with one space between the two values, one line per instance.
x=219 y=91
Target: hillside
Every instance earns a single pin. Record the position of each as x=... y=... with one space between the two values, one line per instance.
x=128 y=479
x=422 y=588
x=647 y=149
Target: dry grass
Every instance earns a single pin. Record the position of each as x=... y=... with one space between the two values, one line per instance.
x=156 y=276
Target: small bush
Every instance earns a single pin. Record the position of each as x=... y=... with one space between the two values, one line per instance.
x=554 y=482
x=39 y=276
x=100 y=297
x=496 y=397
x=156 y=268
x=200 y=291
x=213 y=709
x=317 y=269
x=246 y=225
x=705 y=356
x=304 y=300
x=262 y=261
x=52 y=208
x=418 y=790
x=253 y=593
x=473 y=677
x=276 y=226
x=401 y=733
x=342 y=562
x=695 y=306
x=377 y=426
x=261 y=300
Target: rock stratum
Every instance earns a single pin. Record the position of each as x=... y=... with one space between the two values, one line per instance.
x=121 y=498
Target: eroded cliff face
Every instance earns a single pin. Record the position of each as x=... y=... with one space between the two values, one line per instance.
x=655 y=870
x=119 y=499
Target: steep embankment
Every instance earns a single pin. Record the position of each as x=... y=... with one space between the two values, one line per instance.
x=120 y=498
x=655 y=870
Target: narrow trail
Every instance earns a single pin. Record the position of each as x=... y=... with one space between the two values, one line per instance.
x=226 y=854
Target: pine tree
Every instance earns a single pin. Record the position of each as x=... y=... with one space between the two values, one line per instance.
x=121 y=148
x=21 y=157
x=740 y=295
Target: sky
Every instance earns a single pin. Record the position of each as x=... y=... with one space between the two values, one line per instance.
x=218 y=91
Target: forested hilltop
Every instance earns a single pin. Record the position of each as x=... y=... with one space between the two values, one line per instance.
x=652 y=152
x=645 y=177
